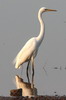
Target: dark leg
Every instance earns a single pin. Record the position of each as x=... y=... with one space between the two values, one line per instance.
x=32 y=60
x=27 y=72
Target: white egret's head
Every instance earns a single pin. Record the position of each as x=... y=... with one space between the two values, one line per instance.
x=44 y=9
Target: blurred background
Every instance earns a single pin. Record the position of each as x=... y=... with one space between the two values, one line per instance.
x=18 y=23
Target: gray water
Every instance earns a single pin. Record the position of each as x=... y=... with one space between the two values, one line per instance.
x=18 y=23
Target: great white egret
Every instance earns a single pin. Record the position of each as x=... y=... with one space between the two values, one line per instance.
x=30 y=49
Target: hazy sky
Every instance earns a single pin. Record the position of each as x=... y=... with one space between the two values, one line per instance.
x=18 y=23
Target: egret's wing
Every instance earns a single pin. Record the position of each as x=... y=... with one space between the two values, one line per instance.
x=26 y=51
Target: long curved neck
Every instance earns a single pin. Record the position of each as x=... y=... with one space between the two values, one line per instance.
x=41 y=34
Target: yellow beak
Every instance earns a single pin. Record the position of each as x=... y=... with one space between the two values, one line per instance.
x=50 y=10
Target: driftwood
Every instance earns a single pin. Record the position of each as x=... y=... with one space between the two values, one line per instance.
x=27 y=90
x=16 y=92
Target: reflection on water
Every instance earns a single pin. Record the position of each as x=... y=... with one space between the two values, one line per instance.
x=54 y=82
x=26 y=87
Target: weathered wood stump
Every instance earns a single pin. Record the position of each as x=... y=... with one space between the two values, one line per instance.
x=27 y=90
x=16 y=92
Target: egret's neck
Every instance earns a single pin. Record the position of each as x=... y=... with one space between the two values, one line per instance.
x=41 y=34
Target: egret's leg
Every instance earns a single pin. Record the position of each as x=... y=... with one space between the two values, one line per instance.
x=27 y=71
x=32 y=60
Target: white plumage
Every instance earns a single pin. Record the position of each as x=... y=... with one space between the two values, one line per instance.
x=29 y=51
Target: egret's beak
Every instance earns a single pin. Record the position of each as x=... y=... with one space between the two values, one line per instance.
x=50 y=10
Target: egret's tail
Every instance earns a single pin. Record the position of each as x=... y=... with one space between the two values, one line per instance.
x=14 y=61
x=18 y=66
